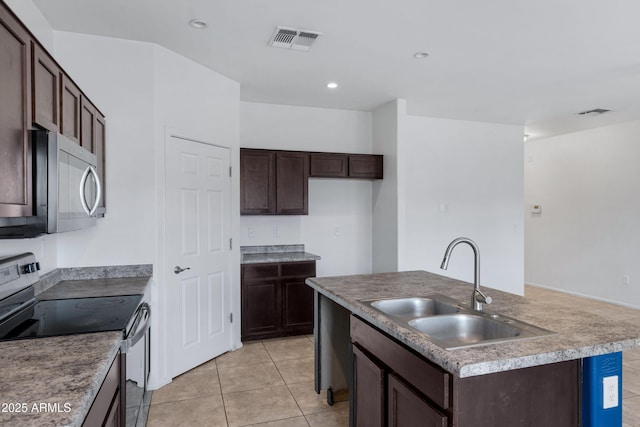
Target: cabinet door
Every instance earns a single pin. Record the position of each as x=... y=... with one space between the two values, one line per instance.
x=99 y=150
x=261 y=309
x=365 y=166
x=46 y=90
x=106 y=409
x=292 y=183
x=328 y=165
x=15 y=117
x=298 y=306
x=406 y=408
x=369 y=395
x=70 y=109
x=257 y=182
x=87 y=124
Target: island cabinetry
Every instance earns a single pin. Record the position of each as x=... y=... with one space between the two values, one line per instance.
x=107 y=409
x=15 y=117
x=418 y=392
x=275 y=300
x=273 y=182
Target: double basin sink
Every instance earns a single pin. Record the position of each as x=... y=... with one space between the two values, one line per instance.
x=450 y=325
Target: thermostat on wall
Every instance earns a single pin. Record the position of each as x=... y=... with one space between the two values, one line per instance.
x=535 y=208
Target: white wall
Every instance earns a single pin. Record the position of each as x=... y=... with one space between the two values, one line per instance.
x=385 y=192
x=462 y=178
x=338 y=227
x=31 y=16
x=145 y=90
x=117 y=75
x=586 y=238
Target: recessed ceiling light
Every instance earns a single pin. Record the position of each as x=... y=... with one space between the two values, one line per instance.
x=198 y=23
x=332 y=85
x=420 y=55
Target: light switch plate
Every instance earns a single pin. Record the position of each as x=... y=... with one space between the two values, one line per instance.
x=610 y=392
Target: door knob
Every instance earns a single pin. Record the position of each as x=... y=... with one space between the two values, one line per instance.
x=177 y=269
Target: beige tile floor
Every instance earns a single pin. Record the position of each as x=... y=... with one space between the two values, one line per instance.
x=630 y=359
x=265 y=383
x=270 y=383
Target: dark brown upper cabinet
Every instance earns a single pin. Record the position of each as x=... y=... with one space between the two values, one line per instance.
x=342 y=165
x=46 y=89
x=367 y=166
x=273 y=182
x=292 y=183
x=70 y=106
x=15 y=117
x=87 y=124
x=257 y=182
x=329 y=165
x=35 y=92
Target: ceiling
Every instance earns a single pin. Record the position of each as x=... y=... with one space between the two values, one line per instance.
x=523 y=62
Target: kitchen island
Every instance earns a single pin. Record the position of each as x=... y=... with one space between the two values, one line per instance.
x=579 y=333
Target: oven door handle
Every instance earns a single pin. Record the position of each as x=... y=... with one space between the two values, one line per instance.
x=137 y=331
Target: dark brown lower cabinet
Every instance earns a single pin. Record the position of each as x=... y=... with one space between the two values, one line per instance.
x=275 y=300
x=107 y=409
x=369 y=406
x=396 y=387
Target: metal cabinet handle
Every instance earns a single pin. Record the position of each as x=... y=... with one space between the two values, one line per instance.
x=177 y=269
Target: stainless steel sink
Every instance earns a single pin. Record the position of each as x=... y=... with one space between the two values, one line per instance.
x=451 y=325
x=413 y=307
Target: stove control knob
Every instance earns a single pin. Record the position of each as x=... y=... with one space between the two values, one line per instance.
x=30 y=268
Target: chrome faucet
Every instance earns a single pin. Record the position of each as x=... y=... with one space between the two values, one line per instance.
x=477 y=298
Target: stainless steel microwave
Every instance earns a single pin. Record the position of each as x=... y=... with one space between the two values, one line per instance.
x=74 y=188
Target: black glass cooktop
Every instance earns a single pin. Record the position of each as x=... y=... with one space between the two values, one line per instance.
x=49 y=318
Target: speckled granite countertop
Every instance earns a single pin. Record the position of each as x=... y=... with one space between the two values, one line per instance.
x=275 y=253
x=580 y=332
x=68 y=369
x=64 y=371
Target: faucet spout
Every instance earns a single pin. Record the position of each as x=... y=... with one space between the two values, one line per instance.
x=477 y=298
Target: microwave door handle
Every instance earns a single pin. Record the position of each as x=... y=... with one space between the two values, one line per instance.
x=98 y=191
x=83 y=182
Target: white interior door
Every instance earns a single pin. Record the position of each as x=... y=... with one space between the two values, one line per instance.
x=197 y=233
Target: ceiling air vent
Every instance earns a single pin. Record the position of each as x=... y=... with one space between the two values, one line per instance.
x=594 y=112
x=291 y=38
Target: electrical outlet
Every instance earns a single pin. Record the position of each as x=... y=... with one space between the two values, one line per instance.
x=251 y=232
x=610 y=392
x=626 y=280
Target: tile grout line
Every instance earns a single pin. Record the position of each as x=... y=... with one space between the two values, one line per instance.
x=224 y=405
x=287 y=385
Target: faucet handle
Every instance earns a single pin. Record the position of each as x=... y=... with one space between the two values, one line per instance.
x=480 y=297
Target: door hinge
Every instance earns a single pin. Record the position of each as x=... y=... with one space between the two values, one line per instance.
x=231 y=244
x=230 y=317
x=230 y=172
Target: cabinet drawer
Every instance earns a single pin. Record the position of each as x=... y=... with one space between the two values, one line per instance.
x=304 y=269
x=429 y=379
x=259 y=271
